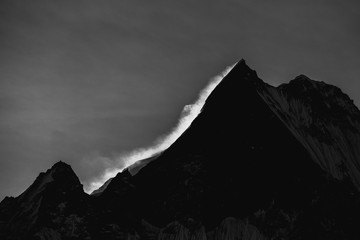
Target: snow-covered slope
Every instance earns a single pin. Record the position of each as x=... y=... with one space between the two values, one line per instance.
x=323 y=119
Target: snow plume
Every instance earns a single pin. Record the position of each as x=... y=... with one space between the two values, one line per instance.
x=189 y=113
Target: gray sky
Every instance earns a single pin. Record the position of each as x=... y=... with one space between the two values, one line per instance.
x=86 y=80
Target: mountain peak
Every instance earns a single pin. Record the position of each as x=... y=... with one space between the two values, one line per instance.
x=242 y=61
x=60 y=175
x=293 y=150
x=63 y=172
x=51 y=194
x=304 y=82
x=320 y=94
x=242 y=68
x=60 y=165
x=302 y=77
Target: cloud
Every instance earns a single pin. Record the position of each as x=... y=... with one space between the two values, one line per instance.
x=189 y=113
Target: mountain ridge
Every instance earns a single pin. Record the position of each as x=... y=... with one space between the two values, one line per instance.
x=258 y=162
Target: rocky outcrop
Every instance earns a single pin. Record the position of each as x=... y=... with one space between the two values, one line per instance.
x=54 y=205
x=324 y=120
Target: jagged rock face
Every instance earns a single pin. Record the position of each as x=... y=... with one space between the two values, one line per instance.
x=323 y=119
x=53 y=206
x=258 y=162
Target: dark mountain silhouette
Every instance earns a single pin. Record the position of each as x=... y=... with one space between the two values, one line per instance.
x=259 y=162
x=53 y=206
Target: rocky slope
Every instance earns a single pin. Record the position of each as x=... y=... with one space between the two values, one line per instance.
x=53 y=207
x=259 y=162
x=324 y=120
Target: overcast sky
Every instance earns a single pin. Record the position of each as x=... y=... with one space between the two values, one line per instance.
x=85 y=80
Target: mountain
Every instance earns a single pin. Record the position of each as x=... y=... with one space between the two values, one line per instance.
x=258 y=162
x=54 y=205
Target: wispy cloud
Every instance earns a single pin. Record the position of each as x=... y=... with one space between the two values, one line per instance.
x=189 y=113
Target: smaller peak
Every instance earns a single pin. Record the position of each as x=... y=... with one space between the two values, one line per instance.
x=304 y=81
x=241 y=64
x=242 y=61
x=63 y=171
x=60 y=164
x=302 y=77
x=242 y=69
x=60 y=177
